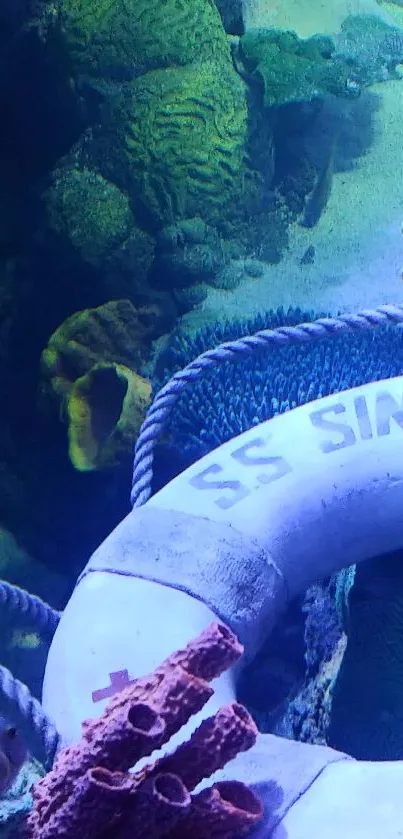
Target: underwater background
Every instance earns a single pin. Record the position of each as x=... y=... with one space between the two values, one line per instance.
x=164 y=188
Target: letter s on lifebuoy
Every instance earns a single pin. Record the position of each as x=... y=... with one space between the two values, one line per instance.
x=321 y=485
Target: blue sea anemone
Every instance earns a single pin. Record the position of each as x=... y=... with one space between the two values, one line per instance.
x=239 y=395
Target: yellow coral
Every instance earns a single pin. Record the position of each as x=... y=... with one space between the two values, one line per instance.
x=114 y=332
x=25 y=640
x=105 y=409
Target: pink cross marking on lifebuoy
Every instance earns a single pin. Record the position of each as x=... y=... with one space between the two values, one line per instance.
x=119 y=681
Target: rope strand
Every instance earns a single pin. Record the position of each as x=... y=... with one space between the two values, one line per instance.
x=27 y=714
x=16 y=599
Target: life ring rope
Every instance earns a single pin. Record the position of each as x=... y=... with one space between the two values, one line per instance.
x=24 y=711
x=16 y=599
x=205 y=364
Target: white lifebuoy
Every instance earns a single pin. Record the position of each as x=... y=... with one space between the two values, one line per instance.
x=241 y=531
x=314 y=489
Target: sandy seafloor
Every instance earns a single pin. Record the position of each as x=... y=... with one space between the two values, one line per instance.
x=358 y=240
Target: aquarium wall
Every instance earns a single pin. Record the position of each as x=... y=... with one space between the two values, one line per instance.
x=175 y=174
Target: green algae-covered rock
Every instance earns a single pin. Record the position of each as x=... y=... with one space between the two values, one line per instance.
x=92 y=212
x=175 y=142
x=292 y=70
x=183 y=141
x=372 y=47
x=189 y=252
x=126 y=38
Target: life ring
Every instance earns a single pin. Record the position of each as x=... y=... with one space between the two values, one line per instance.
x=243 y=530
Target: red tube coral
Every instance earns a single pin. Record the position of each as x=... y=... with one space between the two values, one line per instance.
x=225 y=810
x=217 y=741
x=88 y=794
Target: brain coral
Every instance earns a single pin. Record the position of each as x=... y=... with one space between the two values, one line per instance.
x=125 y=38
x=237 y=396
x=184 y=139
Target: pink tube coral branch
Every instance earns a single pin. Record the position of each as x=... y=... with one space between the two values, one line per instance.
x=89 y=794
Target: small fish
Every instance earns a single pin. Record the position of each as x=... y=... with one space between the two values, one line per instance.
x=13 y=754
x=320 y=194
x=308 y=258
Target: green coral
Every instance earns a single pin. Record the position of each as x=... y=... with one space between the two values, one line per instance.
x=189 y=252
x=178 y=128
x=184 y=139
x=292 y=70
x=373 y=48
x=115 y=38
x=92 y=212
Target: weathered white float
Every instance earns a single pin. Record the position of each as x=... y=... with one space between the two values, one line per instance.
x=237 y=536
